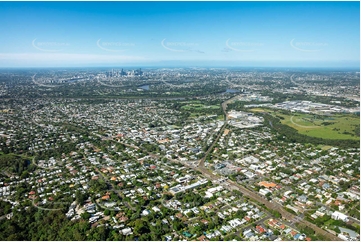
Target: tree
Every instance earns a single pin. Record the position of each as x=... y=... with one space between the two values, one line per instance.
x=167 y=196
x=276 y=214
x=106 y=212
x=177 y=225
x=141 y=227
x=85 y=215
x=80 y=197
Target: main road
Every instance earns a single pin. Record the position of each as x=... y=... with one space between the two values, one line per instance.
x=224 y=108
x=251 y=194
x=235 y=186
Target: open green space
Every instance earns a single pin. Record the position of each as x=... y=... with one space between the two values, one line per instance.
x=189 y=102
x=220 y=117
x=198 y=107
x=325 y=147
x=337 y=126
x=259 y=110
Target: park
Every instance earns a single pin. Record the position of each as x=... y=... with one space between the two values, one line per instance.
x=336 y=126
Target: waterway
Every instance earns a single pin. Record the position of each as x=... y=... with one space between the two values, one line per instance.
x=145 y=87
x=231 y=91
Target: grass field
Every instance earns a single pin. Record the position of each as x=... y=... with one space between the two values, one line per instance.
x=259 y=110
x=198 y=106
x=337 y=126
x=340 y=127
x=194 y=101
x=325 y=147
x=220 y=117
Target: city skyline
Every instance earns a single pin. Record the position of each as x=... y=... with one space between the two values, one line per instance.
x=242 y=34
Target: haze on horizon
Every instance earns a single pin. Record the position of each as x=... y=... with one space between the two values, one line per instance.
x=245 y=34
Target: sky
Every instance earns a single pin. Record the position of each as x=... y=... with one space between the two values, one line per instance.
x=250 y=34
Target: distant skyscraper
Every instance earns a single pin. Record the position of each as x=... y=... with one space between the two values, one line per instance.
x=122 y=73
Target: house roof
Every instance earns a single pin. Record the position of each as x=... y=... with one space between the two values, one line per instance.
x=201 y=238
x=267 y=184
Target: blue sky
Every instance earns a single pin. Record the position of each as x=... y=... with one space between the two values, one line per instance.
x=273 y=34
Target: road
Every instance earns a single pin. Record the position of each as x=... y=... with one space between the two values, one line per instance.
x=201 y=161
x=235 y=186
x=224 y=108
x=110 y=185
x=291 y=78
x=248 y=193
x=285 y=214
